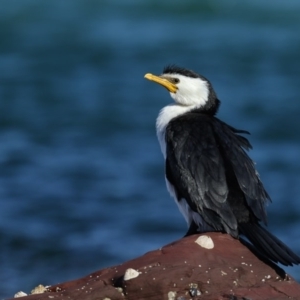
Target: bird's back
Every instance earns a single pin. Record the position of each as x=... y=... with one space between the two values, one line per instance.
x=210 y=168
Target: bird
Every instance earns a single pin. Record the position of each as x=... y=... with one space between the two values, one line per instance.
x=207 y=169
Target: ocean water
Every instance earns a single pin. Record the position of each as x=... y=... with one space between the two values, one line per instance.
x=81 y=173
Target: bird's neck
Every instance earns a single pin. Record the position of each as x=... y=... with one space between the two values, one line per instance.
x=166 y=114
x=174 y=110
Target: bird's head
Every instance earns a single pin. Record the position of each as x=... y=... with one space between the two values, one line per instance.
x=187 y=88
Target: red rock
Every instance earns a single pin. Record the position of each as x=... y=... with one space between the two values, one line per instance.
x=184 y=270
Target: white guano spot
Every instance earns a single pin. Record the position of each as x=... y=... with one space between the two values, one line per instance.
x=171 y=295
x=205 y=241
x=20 y=294
x=40 y=289
x=130 y=274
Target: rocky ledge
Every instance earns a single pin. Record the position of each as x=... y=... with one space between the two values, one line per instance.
x=206 y=266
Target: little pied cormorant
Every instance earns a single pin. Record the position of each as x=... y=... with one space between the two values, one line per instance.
x=209 y=174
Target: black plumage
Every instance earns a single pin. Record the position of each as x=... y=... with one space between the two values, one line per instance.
x=204 y=165
x=208 y=168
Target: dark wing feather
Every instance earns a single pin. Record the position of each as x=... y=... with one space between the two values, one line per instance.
x=195 y=167
x=243 y=167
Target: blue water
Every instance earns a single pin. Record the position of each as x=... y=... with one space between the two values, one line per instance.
x=81 y=173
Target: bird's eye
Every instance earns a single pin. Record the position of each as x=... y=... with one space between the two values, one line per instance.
x=176 y=80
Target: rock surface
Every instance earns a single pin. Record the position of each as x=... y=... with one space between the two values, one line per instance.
x=207 y=266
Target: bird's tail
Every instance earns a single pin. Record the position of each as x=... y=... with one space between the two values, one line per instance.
x=269 y=245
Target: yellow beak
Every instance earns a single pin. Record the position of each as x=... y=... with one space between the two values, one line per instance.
x=171 y=87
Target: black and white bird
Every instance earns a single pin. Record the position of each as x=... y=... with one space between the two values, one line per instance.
x=208 y=172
